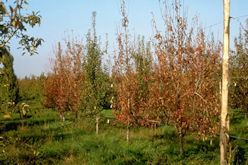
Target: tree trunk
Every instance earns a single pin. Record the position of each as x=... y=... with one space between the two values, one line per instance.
x=128 y=120
x=76 y=116
x=62 y=117
x=211 y=142
x=181 y=143
x=97 y=124
x=127 y=133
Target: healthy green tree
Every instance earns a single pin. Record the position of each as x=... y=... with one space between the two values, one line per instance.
x=96 y=84
x=14 y=21
x=8 y=80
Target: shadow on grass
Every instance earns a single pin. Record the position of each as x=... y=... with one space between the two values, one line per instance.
x=13 y=125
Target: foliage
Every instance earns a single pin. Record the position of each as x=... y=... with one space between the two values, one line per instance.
x=14 y=21
x=8 y=81
x=125 y=83
x=177 y=84
x=63 y=84
x=31 y=88
x=96 y=88
x=239 y=74
x=187 y=75
x=132 y=72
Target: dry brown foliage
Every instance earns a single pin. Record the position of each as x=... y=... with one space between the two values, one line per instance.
x=182 y=84
x=63 y=84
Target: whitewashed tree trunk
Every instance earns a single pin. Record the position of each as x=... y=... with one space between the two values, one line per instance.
x=127 y=133
x=62 y=117
x=128 y=121
x=97 y=124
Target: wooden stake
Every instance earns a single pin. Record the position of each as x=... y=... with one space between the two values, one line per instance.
x=224 y=130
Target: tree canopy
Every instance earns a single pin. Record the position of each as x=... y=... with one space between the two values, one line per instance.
x=14 y=23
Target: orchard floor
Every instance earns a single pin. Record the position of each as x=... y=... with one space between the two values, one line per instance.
x=44 y=139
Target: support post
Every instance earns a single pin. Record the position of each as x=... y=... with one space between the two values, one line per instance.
x=224 y=130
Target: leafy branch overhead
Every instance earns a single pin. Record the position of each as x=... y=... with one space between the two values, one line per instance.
x=14 y=22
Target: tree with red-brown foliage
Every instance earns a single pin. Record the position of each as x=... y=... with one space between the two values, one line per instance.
x=187 y=76
x=63 y=84
x=131 y=75
x=239 y=74
x=178 y=84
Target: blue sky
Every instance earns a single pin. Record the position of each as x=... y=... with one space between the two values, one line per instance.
x=61 y=17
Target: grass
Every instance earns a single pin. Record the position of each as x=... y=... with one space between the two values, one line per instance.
x=44 y=139
x=107 y=114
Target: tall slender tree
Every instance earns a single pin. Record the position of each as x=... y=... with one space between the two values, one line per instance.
x=96 y=80
x=8 y=81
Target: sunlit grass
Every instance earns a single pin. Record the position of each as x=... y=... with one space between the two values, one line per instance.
x=45 y=139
